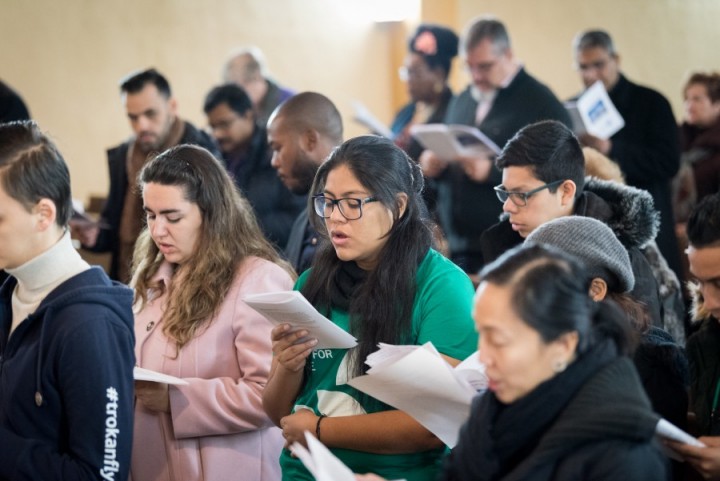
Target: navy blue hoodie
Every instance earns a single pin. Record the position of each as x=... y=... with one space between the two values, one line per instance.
x=66 y=385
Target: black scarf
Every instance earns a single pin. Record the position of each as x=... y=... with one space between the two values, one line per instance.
x=347 y=279
x=497 y=437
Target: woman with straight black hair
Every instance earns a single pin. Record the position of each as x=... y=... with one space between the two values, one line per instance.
x=376 y=276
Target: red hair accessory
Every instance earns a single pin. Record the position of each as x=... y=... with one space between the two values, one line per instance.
x=426 y=43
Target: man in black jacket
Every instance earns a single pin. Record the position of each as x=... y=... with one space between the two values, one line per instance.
x=703 y=347
x=244 y=147
x=647 y=148
x=302 y=132
x=502 y=98
x=152 y=112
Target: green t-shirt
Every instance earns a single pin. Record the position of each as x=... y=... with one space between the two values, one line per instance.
x=441 y=314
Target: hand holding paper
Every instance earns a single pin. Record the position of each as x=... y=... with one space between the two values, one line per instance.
x=452 y=142
x=142 y=374
x=290 y=307
x=594 y=113
x=321 y=463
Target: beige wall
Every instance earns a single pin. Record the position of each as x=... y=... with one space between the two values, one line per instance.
x=659 y=41
x=66 y=57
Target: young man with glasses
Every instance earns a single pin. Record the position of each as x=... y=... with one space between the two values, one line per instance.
x=501 y=99
x=543 y=178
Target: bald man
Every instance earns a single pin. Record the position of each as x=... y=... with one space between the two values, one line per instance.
x=246 y=68
x=302 y=132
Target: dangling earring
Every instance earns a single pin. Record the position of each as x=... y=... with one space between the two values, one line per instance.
x=559 y=366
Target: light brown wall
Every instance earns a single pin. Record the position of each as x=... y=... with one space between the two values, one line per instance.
x=660 y=41
x=66 y=57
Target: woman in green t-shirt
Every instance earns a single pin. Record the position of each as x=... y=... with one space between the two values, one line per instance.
x=376 y=276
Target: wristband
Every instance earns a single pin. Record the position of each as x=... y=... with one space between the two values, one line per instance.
x=317 y=426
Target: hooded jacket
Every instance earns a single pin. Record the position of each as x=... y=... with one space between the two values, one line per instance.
x=66 y=383
x=704 y=360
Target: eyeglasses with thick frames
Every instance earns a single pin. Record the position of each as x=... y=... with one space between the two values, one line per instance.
x=350 y=208
x=520 y=199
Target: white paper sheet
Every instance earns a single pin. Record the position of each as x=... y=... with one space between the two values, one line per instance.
x=450 y=142
x=142 y=374
x=322 y=464
x=364 y=117
x=422 y=384
x=665 y=429
x=292 y=308
x=598 y=113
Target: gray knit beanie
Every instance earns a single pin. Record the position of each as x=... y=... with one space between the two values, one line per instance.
x=594 y=243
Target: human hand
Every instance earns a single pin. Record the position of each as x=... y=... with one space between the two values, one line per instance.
x=601 y=145
x=288 y=349
x=153 y=395
x=705 y=460
x=294 y=426
x=431 y=164
x=368 y=477
x=476 y=168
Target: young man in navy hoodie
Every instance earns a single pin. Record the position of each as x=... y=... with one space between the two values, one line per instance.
x=66 y=330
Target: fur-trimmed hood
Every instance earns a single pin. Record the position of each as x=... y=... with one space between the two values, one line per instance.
x=628 y=211
x=698 y=312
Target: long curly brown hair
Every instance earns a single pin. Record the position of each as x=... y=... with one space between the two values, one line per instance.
x=229 y=234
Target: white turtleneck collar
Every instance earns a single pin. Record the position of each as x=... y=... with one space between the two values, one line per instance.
x=40 y=275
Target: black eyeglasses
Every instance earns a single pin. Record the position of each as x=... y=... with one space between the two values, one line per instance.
x=520 y=199
x=350 y=208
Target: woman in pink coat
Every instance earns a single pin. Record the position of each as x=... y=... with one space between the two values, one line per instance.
x=201 y=253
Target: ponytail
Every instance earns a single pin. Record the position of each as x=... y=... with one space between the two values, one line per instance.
x=610 y=322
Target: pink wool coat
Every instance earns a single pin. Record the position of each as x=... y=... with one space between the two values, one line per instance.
x=217 y=429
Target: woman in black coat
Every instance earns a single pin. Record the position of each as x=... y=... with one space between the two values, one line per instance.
x=564 y=402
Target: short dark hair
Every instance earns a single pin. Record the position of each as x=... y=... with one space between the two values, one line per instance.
x=32 y=168
x=550 y=149
x=594 y=39
x=136 y=81
x=487 y=28
x=231 y=94
x=711 y=82
x=703 y=227
x=549 y=293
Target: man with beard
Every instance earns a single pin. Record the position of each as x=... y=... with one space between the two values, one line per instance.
x=302 y=132
x=152 y=112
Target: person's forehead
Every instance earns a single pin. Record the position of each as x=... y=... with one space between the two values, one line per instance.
x=593 y=53
x=518 y=176
x=704 y=262
x=148 y=96
x=484 y=49
x=223 y=110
